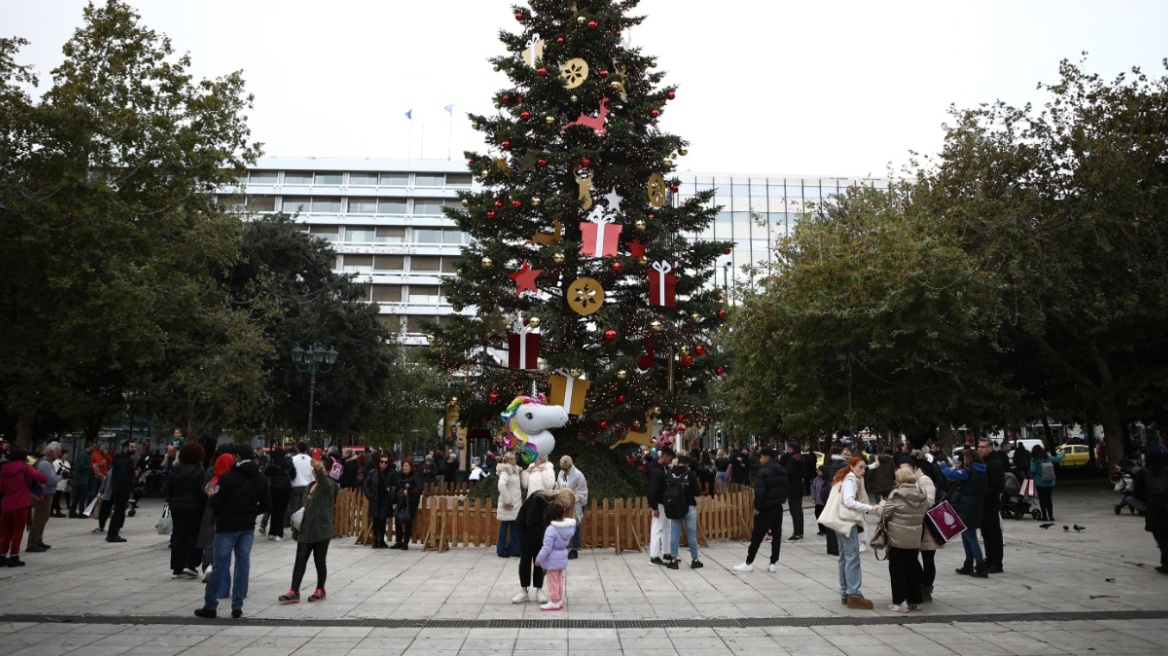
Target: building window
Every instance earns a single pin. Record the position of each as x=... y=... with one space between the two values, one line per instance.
x=357 y=264
x=455 y=237
x=360 y=235
x=362 y=206
x=429 y=180
x=362 y=179
x=425 y=263
x=297 y=177
x=395 y=179
x=389 y=263
x=231 y=203
x=326 y=205
x=327 y=233
x=264 y=177
x=261 y=203
x=391 y=235
x=330 y=178
x=294 y=204
x=428 y=206
x=427 y=236
x=458 y=179
x=387 y=293
x=391 y=206
x=425 y=294
x=392 y=322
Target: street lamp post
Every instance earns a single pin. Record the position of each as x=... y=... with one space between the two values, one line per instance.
x=726 y=280
x=847 y=358
x=313 y=359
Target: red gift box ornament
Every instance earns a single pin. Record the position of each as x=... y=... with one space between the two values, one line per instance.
x=523 y=349
x=600 y=236
x=662 y=285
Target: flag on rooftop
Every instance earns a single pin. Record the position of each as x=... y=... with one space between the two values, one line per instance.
x=410 y=113
x=450 y=109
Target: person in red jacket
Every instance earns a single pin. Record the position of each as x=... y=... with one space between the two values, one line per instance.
x=15 y=477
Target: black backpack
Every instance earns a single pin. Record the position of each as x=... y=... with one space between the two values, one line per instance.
x=674 y=498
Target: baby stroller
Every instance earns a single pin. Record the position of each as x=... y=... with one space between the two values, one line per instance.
x=1124 y=480
x=1014 y=505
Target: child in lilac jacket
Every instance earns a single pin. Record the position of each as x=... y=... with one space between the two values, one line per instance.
x=553 y=557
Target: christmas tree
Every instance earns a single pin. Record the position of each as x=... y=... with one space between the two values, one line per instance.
x=583 y=276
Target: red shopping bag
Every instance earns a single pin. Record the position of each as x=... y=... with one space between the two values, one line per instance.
x=943 y=522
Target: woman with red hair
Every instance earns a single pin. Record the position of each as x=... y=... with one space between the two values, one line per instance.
x=844 y=513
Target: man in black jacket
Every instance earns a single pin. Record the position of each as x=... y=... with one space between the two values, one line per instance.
x=770 y=491
x=122 y=475
x=657 y=529
x=242 y=495
x=792 y=462
x=991 y=514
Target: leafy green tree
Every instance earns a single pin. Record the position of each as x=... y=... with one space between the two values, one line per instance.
x=111 y=230
x=576 y=144
x=1065 y=210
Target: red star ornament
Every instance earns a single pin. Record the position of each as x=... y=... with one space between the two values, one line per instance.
x=525 y=278
x=636 y=249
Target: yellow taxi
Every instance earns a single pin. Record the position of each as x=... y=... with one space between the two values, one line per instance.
x=818 y=458
x=1077 y=455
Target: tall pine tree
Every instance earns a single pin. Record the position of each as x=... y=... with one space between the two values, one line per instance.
x=583 y=265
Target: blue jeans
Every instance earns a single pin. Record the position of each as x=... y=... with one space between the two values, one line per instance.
x=720 y=477
x=972 y=548
x=508 y=544
x=239 y=543
x=849 y=562
x=1139 y=506
x=691 y=533
x=579 y=523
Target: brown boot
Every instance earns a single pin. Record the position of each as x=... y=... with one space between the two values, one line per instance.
x=859 y=603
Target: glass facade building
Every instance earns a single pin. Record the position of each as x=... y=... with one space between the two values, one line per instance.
x=384 y=220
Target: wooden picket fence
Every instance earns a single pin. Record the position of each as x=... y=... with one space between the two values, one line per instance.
x=446 y=518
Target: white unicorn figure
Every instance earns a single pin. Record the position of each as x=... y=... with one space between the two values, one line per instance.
x=526 y=423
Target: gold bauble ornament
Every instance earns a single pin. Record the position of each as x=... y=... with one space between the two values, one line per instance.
x=622 y=374
x=487 y=263
x=550 y=120
x=476 y=125
x=656 y=325
x=535 y=201
x=465 y=203
x=496 y=67
x=456 y=308
x=558 y=258
x=689 y=382
x=454 y=400
x=652 y=63
x=484 y=173
x=639 y=225
x=615 y=84
x=683 y=151
x=498 y=106
x=644 y=261
x=684 y=350
x=668 y=161
x=575 y=373
x=656 y=410
x=533 y=322
x=695 y=317
x=581 y=20
x=574 y=99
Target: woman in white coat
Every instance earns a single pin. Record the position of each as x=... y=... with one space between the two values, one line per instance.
x=510 y=498
x=844 y=513
x=539 y=475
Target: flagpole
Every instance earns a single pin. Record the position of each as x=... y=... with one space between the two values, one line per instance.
x=410 y=143
x=422 y=143
x=450 y=131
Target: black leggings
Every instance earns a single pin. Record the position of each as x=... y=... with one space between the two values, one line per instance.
x=928 y=568
x=279 y=508
x=402 y=531
x=1044 y=503
x=319 y=551
x=528 y=571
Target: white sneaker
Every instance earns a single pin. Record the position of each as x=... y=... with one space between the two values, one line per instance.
x=206 y=574
x=550 y=606
x=772 y=569
x=744 y=567
x=541 y=596
x=520 y=598
x=863 y=547
x=279 y=539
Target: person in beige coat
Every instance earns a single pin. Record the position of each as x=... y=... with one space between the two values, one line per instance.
x=929 y=544
x=903 y=515
x=510 y=498
x=539 y=475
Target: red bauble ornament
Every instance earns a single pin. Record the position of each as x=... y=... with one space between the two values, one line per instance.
x=493 y=397
x=506 y=99
x=719 y=298
x=592 y=24
x=671 y=95
x=525 y=115
x=602 y=424
x=519 y=16
x=655 y=113
x=498 y=204
x=542 y=162
x=491 y=214
x=720 y=371
x=603 y=74
x=470 y=161
x=506 y=145
x=617 y=267
x=674 y=188
x=560 y=40
x=516 y=203
x=585 y=162
x=727 y=251
x=542 y=71
x=610 y=335
x=650 y=216
x=620 y=398
x=721 y=312
x=699 y=349
x=680 y=418
x=687 y=360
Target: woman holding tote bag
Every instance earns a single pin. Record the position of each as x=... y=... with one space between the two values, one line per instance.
x=844 y=514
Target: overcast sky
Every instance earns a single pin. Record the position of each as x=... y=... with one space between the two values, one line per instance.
x=770 y=87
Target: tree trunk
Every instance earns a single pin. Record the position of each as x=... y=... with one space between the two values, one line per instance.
x=945 y=438
x=24 y=429
x=1112 y=432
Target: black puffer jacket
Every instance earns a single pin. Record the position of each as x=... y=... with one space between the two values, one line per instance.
x=770 y=486
x=656 y=484
x=122 y=478
x=794 y=464
x=184 y=488
x=968 y=493
x=381 y=490
x=243 y=494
